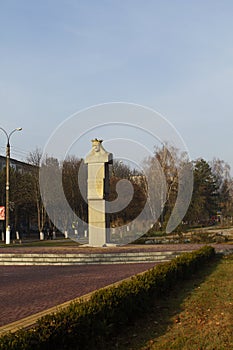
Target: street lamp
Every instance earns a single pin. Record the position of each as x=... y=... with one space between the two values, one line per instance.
x=8 y=180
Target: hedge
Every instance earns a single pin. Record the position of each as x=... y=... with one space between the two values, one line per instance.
x=84 y=325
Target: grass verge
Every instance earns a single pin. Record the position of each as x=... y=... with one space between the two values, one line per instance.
x=196 y=315
x=44 y=243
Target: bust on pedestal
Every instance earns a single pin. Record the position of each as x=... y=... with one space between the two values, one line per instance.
x=98 y=161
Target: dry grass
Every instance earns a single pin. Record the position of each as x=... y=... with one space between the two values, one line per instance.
x=197 y=315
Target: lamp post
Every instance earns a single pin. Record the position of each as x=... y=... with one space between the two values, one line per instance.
x=8 y=180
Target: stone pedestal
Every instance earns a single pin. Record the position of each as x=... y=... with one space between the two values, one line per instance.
x=98 y=161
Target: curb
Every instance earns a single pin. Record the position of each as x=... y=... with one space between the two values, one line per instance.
x=30 y=321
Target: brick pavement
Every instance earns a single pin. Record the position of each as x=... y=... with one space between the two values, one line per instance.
x=26 y=290
x=107 y=250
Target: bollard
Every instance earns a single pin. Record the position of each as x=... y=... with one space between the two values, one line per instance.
x=8 y=233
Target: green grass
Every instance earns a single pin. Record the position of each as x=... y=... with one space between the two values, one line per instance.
x=44 y=243
x=196 y=315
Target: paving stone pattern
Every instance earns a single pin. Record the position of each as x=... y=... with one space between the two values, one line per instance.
x=108 y=250
x=26 y=290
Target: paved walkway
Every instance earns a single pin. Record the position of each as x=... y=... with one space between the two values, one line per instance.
x=107 y=250
x=26 y=290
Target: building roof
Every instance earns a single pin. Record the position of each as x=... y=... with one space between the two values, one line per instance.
x=16 y=164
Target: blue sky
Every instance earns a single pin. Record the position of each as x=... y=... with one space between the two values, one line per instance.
x=58 y=57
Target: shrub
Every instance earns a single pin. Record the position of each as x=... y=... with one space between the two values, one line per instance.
x=84 y=325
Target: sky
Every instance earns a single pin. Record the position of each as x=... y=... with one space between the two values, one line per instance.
x=62 y=56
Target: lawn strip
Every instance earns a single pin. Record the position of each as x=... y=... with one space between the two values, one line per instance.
x=206 y=319
x=197 y=314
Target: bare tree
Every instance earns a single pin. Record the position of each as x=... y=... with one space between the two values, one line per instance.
x=34 y=159
x=162 y=171
x=221 y=170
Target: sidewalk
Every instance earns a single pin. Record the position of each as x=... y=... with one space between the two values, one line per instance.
x=27 y=290
x=107 y=250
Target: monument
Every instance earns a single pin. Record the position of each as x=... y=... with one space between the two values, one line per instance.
x=98 y=161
